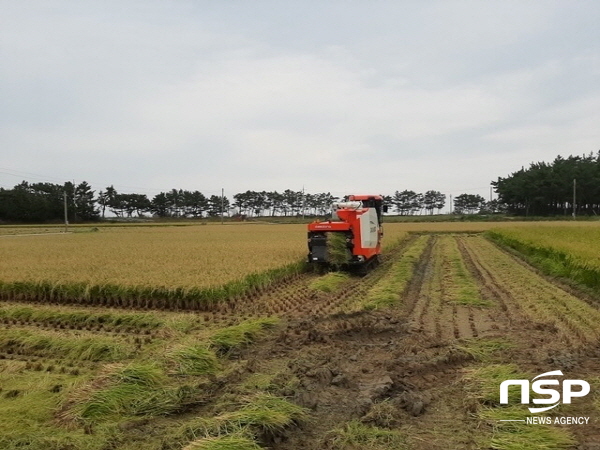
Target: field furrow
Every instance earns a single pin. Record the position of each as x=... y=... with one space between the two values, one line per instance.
x=539 y=300
x=445 y=298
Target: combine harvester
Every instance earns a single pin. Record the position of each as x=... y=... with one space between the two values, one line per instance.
x=351 y=239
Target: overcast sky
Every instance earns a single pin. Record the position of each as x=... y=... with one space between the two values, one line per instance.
x=341 y=96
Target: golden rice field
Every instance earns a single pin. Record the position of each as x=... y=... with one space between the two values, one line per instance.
x=579 y=242
x=425 y=336
x=178 y=267
x=186 y=256
x=182 y=256
x=564 y=251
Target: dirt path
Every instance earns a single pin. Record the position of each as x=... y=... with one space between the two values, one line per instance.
x=405 y=369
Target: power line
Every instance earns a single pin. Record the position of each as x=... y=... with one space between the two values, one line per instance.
x=35 y=177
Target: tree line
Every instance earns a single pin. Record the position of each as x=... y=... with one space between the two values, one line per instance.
x=45 y=202
x=541 y=189
x=557 y=188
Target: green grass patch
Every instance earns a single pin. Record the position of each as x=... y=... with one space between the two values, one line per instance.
x=265 y=413
x=483 y=383
x=553 y=261
x=229 y=338
x=27 y=403
x=387 y=292
x=48 y=438
x=330 y=282
x=258 y=414
x=356 y=435
x=134 y=390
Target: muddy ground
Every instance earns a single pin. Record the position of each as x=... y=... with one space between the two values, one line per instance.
x=407 y=368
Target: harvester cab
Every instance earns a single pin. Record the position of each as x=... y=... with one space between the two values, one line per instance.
x=351 y=239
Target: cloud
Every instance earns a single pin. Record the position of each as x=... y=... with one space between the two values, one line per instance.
x=334 y=96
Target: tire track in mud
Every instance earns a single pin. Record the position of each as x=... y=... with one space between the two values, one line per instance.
x=529 y=298
x=491 y=289
x=430 y=307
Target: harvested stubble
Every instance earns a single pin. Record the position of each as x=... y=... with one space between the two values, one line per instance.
x=74 y=318
x=55 y=345
x=387 y=292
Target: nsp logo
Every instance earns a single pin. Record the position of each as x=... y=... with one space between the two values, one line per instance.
x=538 y=387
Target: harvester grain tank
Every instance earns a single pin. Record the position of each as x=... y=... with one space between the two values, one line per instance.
x=351 y=239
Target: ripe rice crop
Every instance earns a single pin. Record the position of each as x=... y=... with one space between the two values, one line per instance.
x=565 y=251
x=189 y=257
x=187 y=267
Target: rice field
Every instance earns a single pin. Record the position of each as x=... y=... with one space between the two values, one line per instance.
x=179 y=267
x=565 y=251
x=190 y=256
x=194 y=256
x=288 y=358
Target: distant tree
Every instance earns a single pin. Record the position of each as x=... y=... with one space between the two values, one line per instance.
x=134 y=203
x=102 y=202
x=325 y=200
x=406 y=202
x=433 y=200
x=194 y=203
x=85 y=208
x=388 y=201
x=175 y=202
x=214 y=205
x=292 y=201
x=276 y=201
x=440 y=201
x=242 y=201
x=468 y=203
x=159 y=205
x=492 y=207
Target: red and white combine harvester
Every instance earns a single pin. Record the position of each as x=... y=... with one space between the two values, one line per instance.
x=351 y=239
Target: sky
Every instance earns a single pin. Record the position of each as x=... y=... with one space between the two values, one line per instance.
x=328 y=96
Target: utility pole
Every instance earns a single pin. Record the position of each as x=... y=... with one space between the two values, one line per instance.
x=222 y=204
x=65 y=205
x=491 y=187
x=574 y=196
x=450 y=203
x=303 y=202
